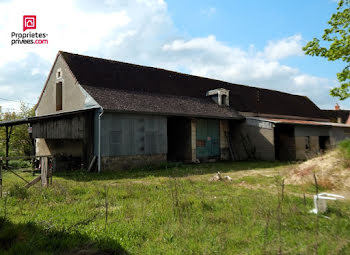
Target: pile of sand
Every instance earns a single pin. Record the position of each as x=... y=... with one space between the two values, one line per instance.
x=331 y=171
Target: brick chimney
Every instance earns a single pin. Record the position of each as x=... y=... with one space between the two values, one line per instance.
x=337 y=107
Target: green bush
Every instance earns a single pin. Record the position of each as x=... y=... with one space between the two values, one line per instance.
x=20 y=164
x=345 y=148
x=18 y=191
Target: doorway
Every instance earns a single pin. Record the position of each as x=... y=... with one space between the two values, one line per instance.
x=207 y=139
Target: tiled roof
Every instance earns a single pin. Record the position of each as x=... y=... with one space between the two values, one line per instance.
x=127 y=101
x=114 y=75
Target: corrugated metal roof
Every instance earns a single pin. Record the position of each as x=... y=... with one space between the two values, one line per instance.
x=14 y=122
x=38 y=118
x=301 y=122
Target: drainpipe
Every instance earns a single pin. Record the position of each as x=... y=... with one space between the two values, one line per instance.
x=99 y=140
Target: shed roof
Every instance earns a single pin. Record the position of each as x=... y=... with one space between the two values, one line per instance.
x=114 y=75
x=301 y=122
x=143 y=102
x=29 y=120
x=333 y=115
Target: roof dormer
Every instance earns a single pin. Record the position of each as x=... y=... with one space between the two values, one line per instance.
x=220 y=96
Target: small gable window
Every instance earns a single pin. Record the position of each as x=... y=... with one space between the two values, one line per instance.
x=59 y=73
x=59 y=95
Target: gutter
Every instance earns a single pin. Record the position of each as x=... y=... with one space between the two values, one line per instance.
x=99 y=140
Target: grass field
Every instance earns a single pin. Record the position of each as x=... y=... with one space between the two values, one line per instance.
x=169 y=210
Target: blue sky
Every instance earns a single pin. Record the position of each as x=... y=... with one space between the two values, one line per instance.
x=242 y=23
x=254 y=42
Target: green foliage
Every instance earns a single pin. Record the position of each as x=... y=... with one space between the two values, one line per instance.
x=337 y=46
x=345 y=148
x=20 y=142
x=20 y=164
x=18 y=191
x=152 y=213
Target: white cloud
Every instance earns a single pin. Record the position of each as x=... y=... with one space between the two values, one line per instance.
x=6 y=90
x=290 y=46
x=68 y=27
x=211 y=58
x=141 y=32
x=35 y=71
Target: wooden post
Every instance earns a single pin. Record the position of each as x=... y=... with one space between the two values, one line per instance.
x=50 y=170
x=7 y=146
x=44 y=171
x=0 y=177
x=33 y=150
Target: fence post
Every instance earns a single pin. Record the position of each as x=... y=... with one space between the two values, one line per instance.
x=44 y=171
x=0 y=177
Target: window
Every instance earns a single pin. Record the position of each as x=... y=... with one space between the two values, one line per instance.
x=59 y=73
x=58 y=96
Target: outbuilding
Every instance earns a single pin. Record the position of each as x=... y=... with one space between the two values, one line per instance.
x=125 y=115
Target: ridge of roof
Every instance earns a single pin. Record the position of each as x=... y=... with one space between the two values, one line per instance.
x=333 y=110
x=179 y=73
x=117 y=75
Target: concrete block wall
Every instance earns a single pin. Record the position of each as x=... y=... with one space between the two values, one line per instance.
x=252 y=141
x=224 y=134
x=286 y=147
x=193 y=140
x=336 y=135
x=300 y=144
x=128 y=162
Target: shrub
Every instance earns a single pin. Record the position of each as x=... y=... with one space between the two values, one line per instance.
x=18 y=191
x=345 y=148
x=19 y=164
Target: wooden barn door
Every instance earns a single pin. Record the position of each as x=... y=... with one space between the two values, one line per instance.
x=208 y=141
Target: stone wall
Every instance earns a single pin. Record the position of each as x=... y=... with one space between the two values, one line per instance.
x=129 y=162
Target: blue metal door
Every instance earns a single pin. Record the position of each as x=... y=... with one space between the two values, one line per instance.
x=207 y=139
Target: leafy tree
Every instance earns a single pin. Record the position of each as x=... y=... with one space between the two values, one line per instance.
x=20 y=141
x=336 y=46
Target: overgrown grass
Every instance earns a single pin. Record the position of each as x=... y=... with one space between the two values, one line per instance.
x=171 y=210
x=345 y=148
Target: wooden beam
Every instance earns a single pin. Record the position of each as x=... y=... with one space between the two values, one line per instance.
x=24 y=157
x=92 y=163
x=37 y=179
x=18 y=175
